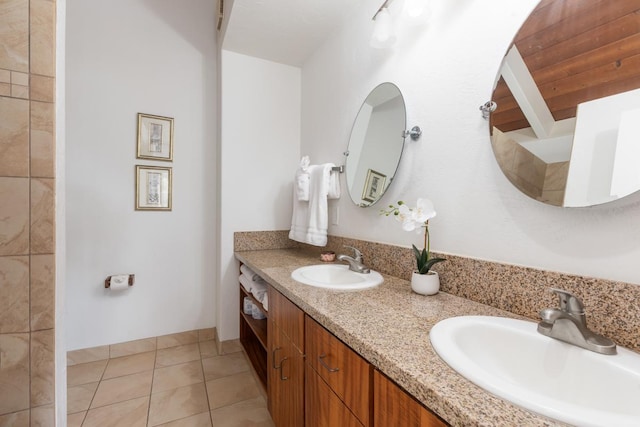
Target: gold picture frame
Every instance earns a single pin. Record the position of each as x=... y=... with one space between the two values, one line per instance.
x=373 y=186
x=155 y=137
x=153 y=188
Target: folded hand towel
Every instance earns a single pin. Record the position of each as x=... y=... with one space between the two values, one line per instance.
x=302 y=180
x=249 y=273
x=334 y=185
x=310 y=221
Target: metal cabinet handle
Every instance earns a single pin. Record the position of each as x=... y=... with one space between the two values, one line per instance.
x=273 y=358
x=283 y=378
x=324 y=364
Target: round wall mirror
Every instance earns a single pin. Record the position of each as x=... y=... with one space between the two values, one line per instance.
x=375 y=145
x=567 y=123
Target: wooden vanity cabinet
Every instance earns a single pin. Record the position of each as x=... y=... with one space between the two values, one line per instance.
x=393 y=407
x=335 y=387
x=338 y=390
x=285 y=361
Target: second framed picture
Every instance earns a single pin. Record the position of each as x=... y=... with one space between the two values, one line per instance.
x=155 y=137
x=373 y=186
x=153 y=188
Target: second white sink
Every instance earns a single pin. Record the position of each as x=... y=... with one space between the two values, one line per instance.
x=336 y=276
x=509 y=358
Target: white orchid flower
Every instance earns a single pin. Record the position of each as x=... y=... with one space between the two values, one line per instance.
x=424 y=210
x=406 y=217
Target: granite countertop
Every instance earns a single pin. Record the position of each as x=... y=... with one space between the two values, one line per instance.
x=389 y=326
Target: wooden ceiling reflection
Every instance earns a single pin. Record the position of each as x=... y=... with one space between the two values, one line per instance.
x=576 y=51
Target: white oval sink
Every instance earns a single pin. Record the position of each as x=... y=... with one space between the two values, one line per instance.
x=336 y=276
x=510 y=359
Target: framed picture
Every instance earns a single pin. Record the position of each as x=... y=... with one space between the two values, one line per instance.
x=373 y=186
x=153 y=188
x=155 y=137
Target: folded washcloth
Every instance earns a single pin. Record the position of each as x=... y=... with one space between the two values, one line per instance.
x=249 y=273
x=246 y=282
x=302 y=180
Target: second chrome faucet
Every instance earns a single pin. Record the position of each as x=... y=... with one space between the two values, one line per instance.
x=355 y=264
x=568 y=323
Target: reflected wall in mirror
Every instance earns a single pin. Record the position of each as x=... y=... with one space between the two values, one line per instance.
x=375 y=145
x=567 y=127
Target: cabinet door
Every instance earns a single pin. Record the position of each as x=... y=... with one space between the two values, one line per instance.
x=344 y=371
x=288 y=317
x=393 y=407
x=323 y=408
x=286 y=380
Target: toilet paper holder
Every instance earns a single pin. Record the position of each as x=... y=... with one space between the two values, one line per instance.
x=107 y=281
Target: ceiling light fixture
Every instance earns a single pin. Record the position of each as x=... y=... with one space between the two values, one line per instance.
x=383 y=33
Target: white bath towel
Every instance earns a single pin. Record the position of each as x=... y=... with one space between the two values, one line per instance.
x=302 y=180
x=265 y=302
x=249 y=272
x=309 y=222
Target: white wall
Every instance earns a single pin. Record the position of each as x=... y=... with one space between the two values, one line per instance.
x=125 y=57
x=446 y=69
x=260 y=151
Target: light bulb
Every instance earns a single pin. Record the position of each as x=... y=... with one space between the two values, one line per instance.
x=415 y=9
x=383 y=35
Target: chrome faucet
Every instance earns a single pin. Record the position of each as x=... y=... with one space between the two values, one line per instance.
x=569 y=324
x=355 y=264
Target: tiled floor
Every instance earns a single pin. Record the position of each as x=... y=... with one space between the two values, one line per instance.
x=187 y=385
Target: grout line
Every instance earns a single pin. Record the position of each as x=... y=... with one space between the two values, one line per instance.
x=153 y=375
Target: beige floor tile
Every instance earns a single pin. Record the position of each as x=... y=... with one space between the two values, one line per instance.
x=123 y=388
x=79 y=397
x=200 y=420
x=248 y=413
x=232 y=346
x=206 y=334
x=178 y=403
x=87 y=355
x=131 y=413
x=75 y=420
x=232 y=389
x=208 y=349
x=127 y=365
x=222 y=366
x=180 y=354
x=85 y=373
x=180 y=338
x=176 y=376
x=132 y=347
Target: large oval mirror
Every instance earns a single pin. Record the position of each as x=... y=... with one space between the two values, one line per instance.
x=375 y=145
x=567 y=123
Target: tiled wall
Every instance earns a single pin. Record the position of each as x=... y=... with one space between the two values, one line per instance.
x=27 y=239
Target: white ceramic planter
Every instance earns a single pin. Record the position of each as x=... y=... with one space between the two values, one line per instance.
x=425 y=284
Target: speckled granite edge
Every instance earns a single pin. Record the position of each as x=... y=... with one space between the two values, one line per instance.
x=613 y=308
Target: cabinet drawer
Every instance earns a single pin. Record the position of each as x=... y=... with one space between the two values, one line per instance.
x=288 y=317
x=323 y=407
x=346 y=373
x=393 y=407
